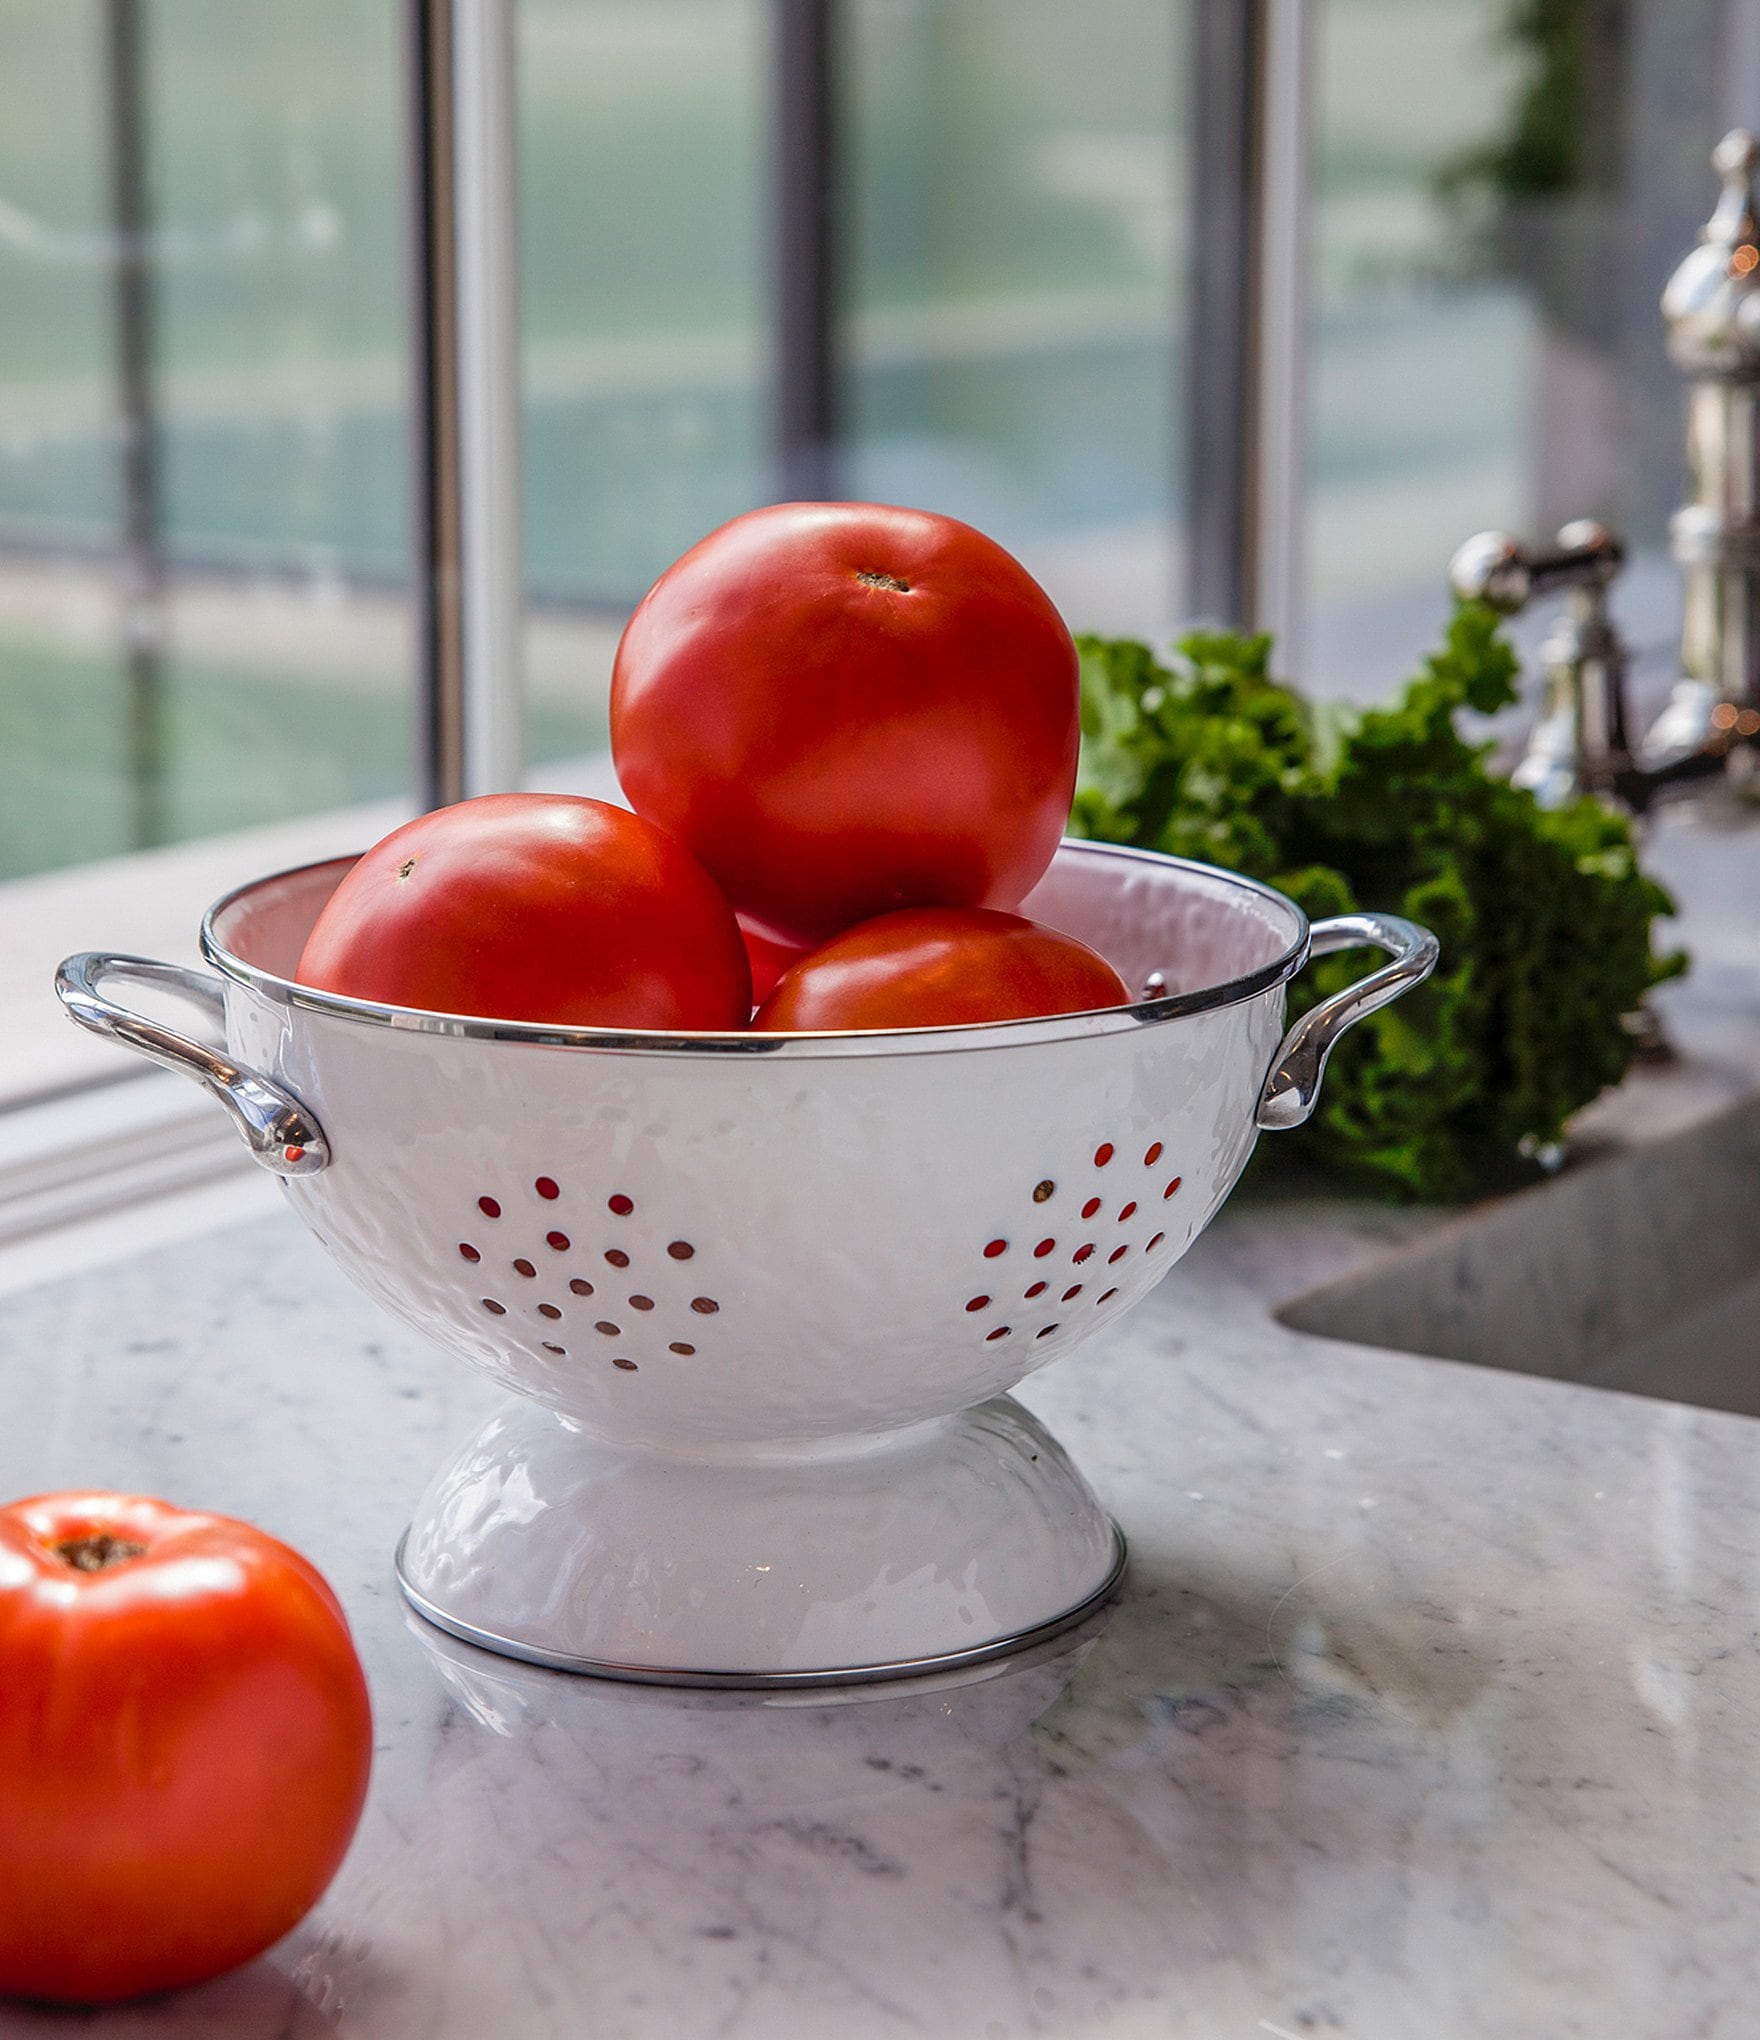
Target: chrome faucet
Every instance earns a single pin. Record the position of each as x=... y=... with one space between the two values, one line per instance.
x=1711 y=726
x=1579 y=744
x=1711 y=309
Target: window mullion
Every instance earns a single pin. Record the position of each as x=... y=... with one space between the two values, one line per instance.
x=466 y=395
x=1252 y=94
x=805 y=218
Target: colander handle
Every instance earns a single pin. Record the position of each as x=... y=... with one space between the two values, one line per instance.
x=1292 y=1090
x=277 y=1128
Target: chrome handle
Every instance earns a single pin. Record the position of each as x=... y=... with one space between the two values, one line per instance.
x=1292 y=1090
x=1496 y=568
x=277 y=1128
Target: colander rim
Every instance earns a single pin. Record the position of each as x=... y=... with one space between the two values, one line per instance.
x=792 y=1047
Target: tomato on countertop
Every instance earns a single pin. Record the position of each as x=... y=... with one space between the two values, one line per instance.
x=185 y=1737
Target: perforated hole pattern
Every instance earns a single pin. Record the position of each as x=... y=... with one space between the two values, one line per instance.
x=1040 y=1247
x=658 y=1313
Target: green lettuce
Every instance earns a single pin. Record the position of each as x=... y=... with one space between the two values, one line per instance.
x=1544 y=916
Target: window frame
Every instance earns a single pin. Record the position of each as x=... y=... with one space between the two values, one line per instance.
x=1252 y=74
x=1251 y=65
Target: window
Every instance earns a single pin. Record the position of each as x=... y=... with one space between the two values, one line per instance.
x=642 y=138
x=203 y=496
x=1013 y=268
x=1501 y=189
x=1208 y=309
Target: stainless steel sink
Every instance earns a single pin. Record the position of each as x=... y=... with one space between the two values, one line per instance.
x=1637 y=1270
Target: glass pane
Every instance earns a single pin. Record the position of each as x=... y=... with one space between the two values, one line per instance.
x=246 y=657
x=1503 y=189
x=643 y=258
x=1017 y=235
x=64 y=764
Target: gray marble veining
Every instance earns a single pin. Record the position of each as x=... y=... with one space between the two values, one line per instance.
x=1432 y=1706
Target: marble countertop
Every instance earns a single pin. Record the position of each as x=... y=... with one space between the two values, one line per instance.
x=1431 y=1706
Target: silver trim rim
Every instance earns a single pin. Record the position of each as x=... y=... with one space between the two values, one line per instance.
x=837 y=1675
x=922 y=1040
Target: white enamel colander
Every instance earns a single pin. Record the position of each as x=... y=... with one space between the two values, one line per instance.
x=761 y=1296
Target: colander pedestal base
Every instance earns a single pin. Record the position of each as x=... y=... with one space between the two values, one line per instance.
x=868 y=1559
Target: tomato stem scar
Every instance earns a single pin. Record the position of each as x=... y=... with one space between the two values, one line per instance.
x=97 y=1552
x=873 y=578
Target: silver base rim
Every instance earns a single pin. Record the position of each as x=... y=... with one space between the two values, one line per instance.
x=828 y=1675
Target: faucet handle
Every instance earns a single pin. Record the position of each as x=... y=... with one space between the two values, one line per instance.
x=1493 y=567
x=1578 y=745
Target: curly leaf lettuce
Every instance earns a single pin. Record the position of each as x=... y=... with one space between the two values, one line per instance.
x=1545 y=918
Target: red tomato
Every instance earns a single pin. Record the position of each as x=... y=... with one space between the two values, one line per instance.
x=769 y=959
x=840 y=709
x=534 y=906
x=184 y=1744
x=940 y=967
